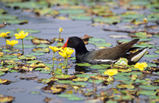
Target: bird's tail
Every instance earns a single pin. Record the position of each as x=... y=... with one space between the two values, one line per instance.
x=126 y=46
x=135 y=57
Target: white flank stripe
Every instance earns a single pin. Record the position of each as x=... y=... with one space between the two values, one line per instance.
x=137 y=57
x=103 y=60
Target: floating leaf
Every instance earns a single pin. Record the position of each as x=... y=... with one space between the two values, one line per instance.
x=97 y=67
x=79 y=84
x=147 y=93
x=64 y=81
x=157 y=51
x=97 y=40
x=83 y=64
x=95 y=81
x=29 y=38
x=30 y=31
x=25 y=5
x=151 y=56
x=1 y=73
x=43 y=50
x=6 y=99
x=80 y=17
x=71 y=11
x=35 y=92
x=151 y=65
x=25 y=46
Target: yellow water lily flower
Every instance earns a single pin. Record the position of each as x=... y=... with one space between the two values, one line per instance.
x=21 y=35
x=60 y=29
x=111 y=72
x=12 y=42
x=54 y=49
x=145 y=20
x=66 y=52
x=63 y=54
x=141 y=66
x=3 y=34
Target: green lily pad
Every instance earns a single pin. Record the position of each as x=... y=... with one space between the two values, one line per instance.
x=37 y=54
x=41 y=50
x=156 y=36
x=151 y=56
x=25 y=5
x=42 y=46
x=1 y=73
x=83 y=64
x=13 y=71
x=46 y=11
x=151 y=65
x=46 y=71
x=59 y=44
x=144 y=46
x=7 y=17
x=79 y=83
x=108 y=20
x=2 y=11
x=34 y=92
x=97 y=67
x=30 y=31
x=64 y=81
x=66 y=95
x=139 y=2
x=25 y=46
x=86 y=75
x=157 y=51
x=15 y=21
x=75 y=98
x=145 y=39
x=64 y=76
x=71 y=11
x=103 y=44
x=147 y=93
x=97 y=40
x=29 y=37
x=80 y=17
x=149 y=87
x=95 y=81
x=27 y=57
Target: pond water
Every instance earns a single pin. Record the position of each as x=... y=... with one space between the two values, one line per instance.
x=48 y=27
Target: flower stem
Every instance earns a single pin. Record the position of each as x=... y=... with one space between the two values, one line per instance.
x=12 y=50
x=6 y=43
x=53 y=61
x=59 y=36
x=66 y=63
x=22 y=47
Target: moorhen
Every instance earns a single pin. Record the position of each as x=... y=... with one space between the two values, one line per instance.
x=107 y=55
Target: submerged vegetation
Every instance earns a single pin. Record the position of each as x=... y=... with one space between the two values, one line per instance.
x=90 y=82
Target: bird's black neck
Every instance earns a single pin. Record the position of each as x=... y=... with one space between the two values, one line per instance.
x=81 y=49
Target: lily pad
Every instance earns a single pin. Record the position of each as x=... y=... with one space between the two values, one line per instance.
x=30 y=31
x=157 y=51
x=83 y=64
x=64 y=81
x=15 y=21
x=7 y=17
x=25 y=46
x=97 y=67
x=71 y=11
x=25 y=5
x=79 y=83
x=151 y=56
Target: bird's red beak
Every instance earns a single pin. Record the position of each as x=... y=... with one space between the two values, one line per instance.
x=65 y=45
